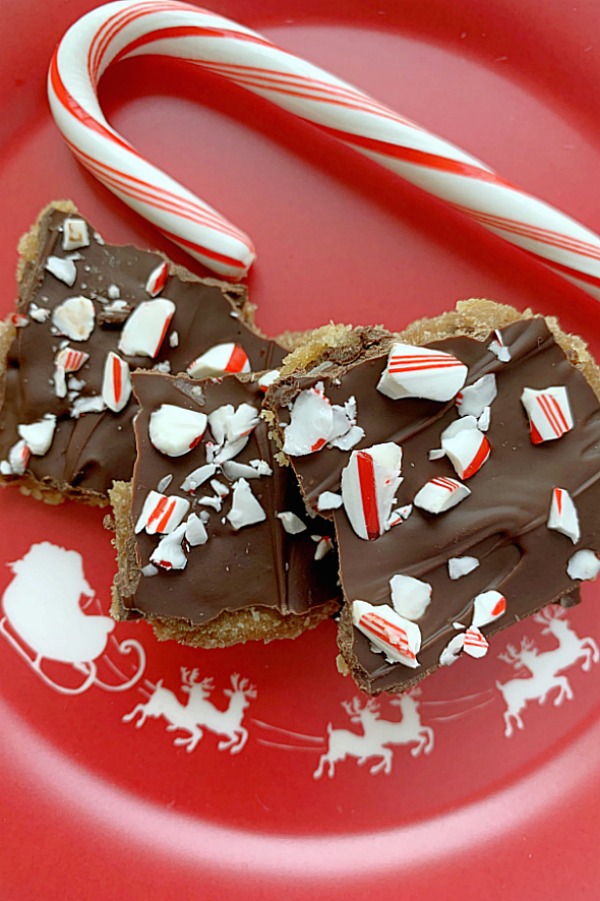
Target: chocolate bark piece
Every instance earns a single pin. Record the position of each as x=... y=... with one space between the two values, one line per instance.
x=249 y=579
x=90 y=450
x=503 y=521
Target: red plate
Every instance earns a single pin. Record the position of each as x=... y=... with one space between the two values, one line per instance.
x=95 y=808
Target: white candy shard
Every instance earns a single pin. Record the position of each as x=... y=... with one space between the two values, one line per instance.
x=440 y=494
x=174 y=339
x=245 y=509
x=157 y=279
x=62 y=269
x=499 y=348
x=483 y=423
x=39 y=314
x=18 y=458
x=475 y=643
x=75 y=318
x=218 y=360
x=399 y=515
x=421 y=372
x=75 y=234
x=146 y=328
x=291 y=523
x=474 y=399
x=215 y=502
x=324 y=546
x=219 y=488
x=267 y=379
x=549 y=413
x=38 y=435
x=254 y=469
x=231 y=430
x=410 y=597
x=168 y=554
x=436 y=453
x=91 y=404
x=175 y=431
x=311 y=423
x=583 y=566
x=369 y=484
x=329 y=500
x=461 y=566
x=164 y=483
x=66 y=360
x=465 y=446
x=198 y=476
x=453 y=649
x=345 y=433
x=488 y=607
x=195 y=531
x=396 y=636
x=18 y=320
x=116 y=382
x=563 y=515
x=161 y=513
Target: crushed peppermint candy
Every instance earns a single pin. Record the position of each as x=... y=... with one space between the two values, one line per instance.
x=369 y=484
x=583 y=566
x=254 y=469
x=461 y=566
x=329 y=500
x=218 y=360
x=549 y=413
x=149 y=570
x=421 y=372
x=18 y=459
x=453 y=650
x=499 y=348
x=396 y=636
x=400 y=514
x=39 y=435
x=146 y=328
x=75 y=318
x=18 y=320
x=245 y=508
x=231 y=430
x=563 y=516
x=62 y=269
x=465 y=446
x=441 y=494
x=175 y=431
x=39 y=314
x=483 y=423
x=487 y=608
x=474 y=399
x=116 y=382
x=164 y=483
x=67 y=360
x=436 y=453
x=161 y=513
x=291 y=523
x=91 y=404
x=324 y=546
x=214 y=501
x=410 y=597
x=157 y=279
x=316 y=423
x=198 y=476
x=219 y=488
x=75 y=234
x=475 y=643
x=174 y=339
x=267 y=379
x=168 y=553
x=195 y=531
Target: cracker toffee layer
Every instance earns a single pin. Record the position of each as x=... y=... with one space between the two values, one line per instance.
x=88 y=452
x=260 y=565
x=502 y=522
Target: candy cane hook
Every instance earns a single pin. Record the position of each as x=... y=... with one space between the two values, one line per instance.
x=122 y=30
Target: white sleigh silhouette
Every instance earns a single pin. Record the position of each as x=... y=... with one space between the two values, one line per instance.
x=199 y=712
x=546 y=668
x=43 y=619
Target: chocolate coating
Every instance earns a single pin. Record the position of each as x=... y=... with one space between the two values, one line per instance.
x=89 y=452
x=502 y=522
x=259 y=565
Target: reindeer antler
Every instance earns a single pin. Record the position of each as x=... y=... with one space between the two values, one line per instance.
x=510 y=656
x=547 y=614
x=243 y=686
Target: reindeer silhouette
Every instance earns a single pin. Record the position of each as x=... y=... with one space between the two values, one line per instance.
x=343 y=743
x=570 y=646
x=199 y=711
x=409 y=729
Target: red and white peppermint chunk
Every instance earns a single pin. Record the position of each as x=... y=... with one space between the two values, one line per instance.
x=487 y=608
x=157 y=279
x=254 y=469
x=421 y=372
x=198 y=476
x=67 y=360
x=38 y=435
x=329 y=500
x=18 y=459
x=174 y=431
x=453 y=650
x=311 y=423
x=475 y=398
x=465 y=446
x=369 y=484
x=410 y=597
x=583 y=566
x=441 y=494
x=116 y=382
x=231 y=429
x=324 y=546
x=75 y=318
x=549 y=413
x=563 y=515
x=400 y=514
x=19 y=320
x=195 y=531
x=267 y=379
x=146 y=328
x=475 y=643
x=245 y=509
x=220 y=359
x=291 y=523
x=396 y=636
x=168 y=554
x=75 y=233
x=62 y=269
x=161 y=513
x=499 y=348
x=461 y=566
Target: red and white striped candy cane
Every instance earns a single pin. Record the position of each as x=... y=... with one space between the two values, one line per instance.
x=121 y=30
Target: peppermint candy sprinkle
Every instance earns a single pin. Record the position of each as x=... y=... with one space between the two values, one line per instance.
x=461 y=566
x=116 y=382
x=198 y=476
x=563 y=515
x=369 y=483
x=157 y=279
x=475 y=643
x=67 y=360
x=410 y=597
x=421 y=372
x=219 y=360
x=291 y=523
x=441 y=494
x=487 y=608
x=475 y=398
x=195 y=531
x=18 y=458
x=75 y=318
x=62 y=269
x=168 y=554
x=499 y=348
x=316 y=423
x=146 y=328
x=549 y=413
x=161 y=513
x=396 y=636
x=453 y=650
x=75 y=234
x=583 y=566
x=245 y=509
x=465 y=446
x=38 y=435
x=175 y=431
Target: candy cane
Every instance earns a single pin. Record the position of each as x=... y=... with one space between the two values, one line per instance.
x=125 y=29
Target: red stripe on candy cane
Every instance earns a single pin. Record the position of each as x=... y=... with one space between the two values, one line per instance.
x=368 y=493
